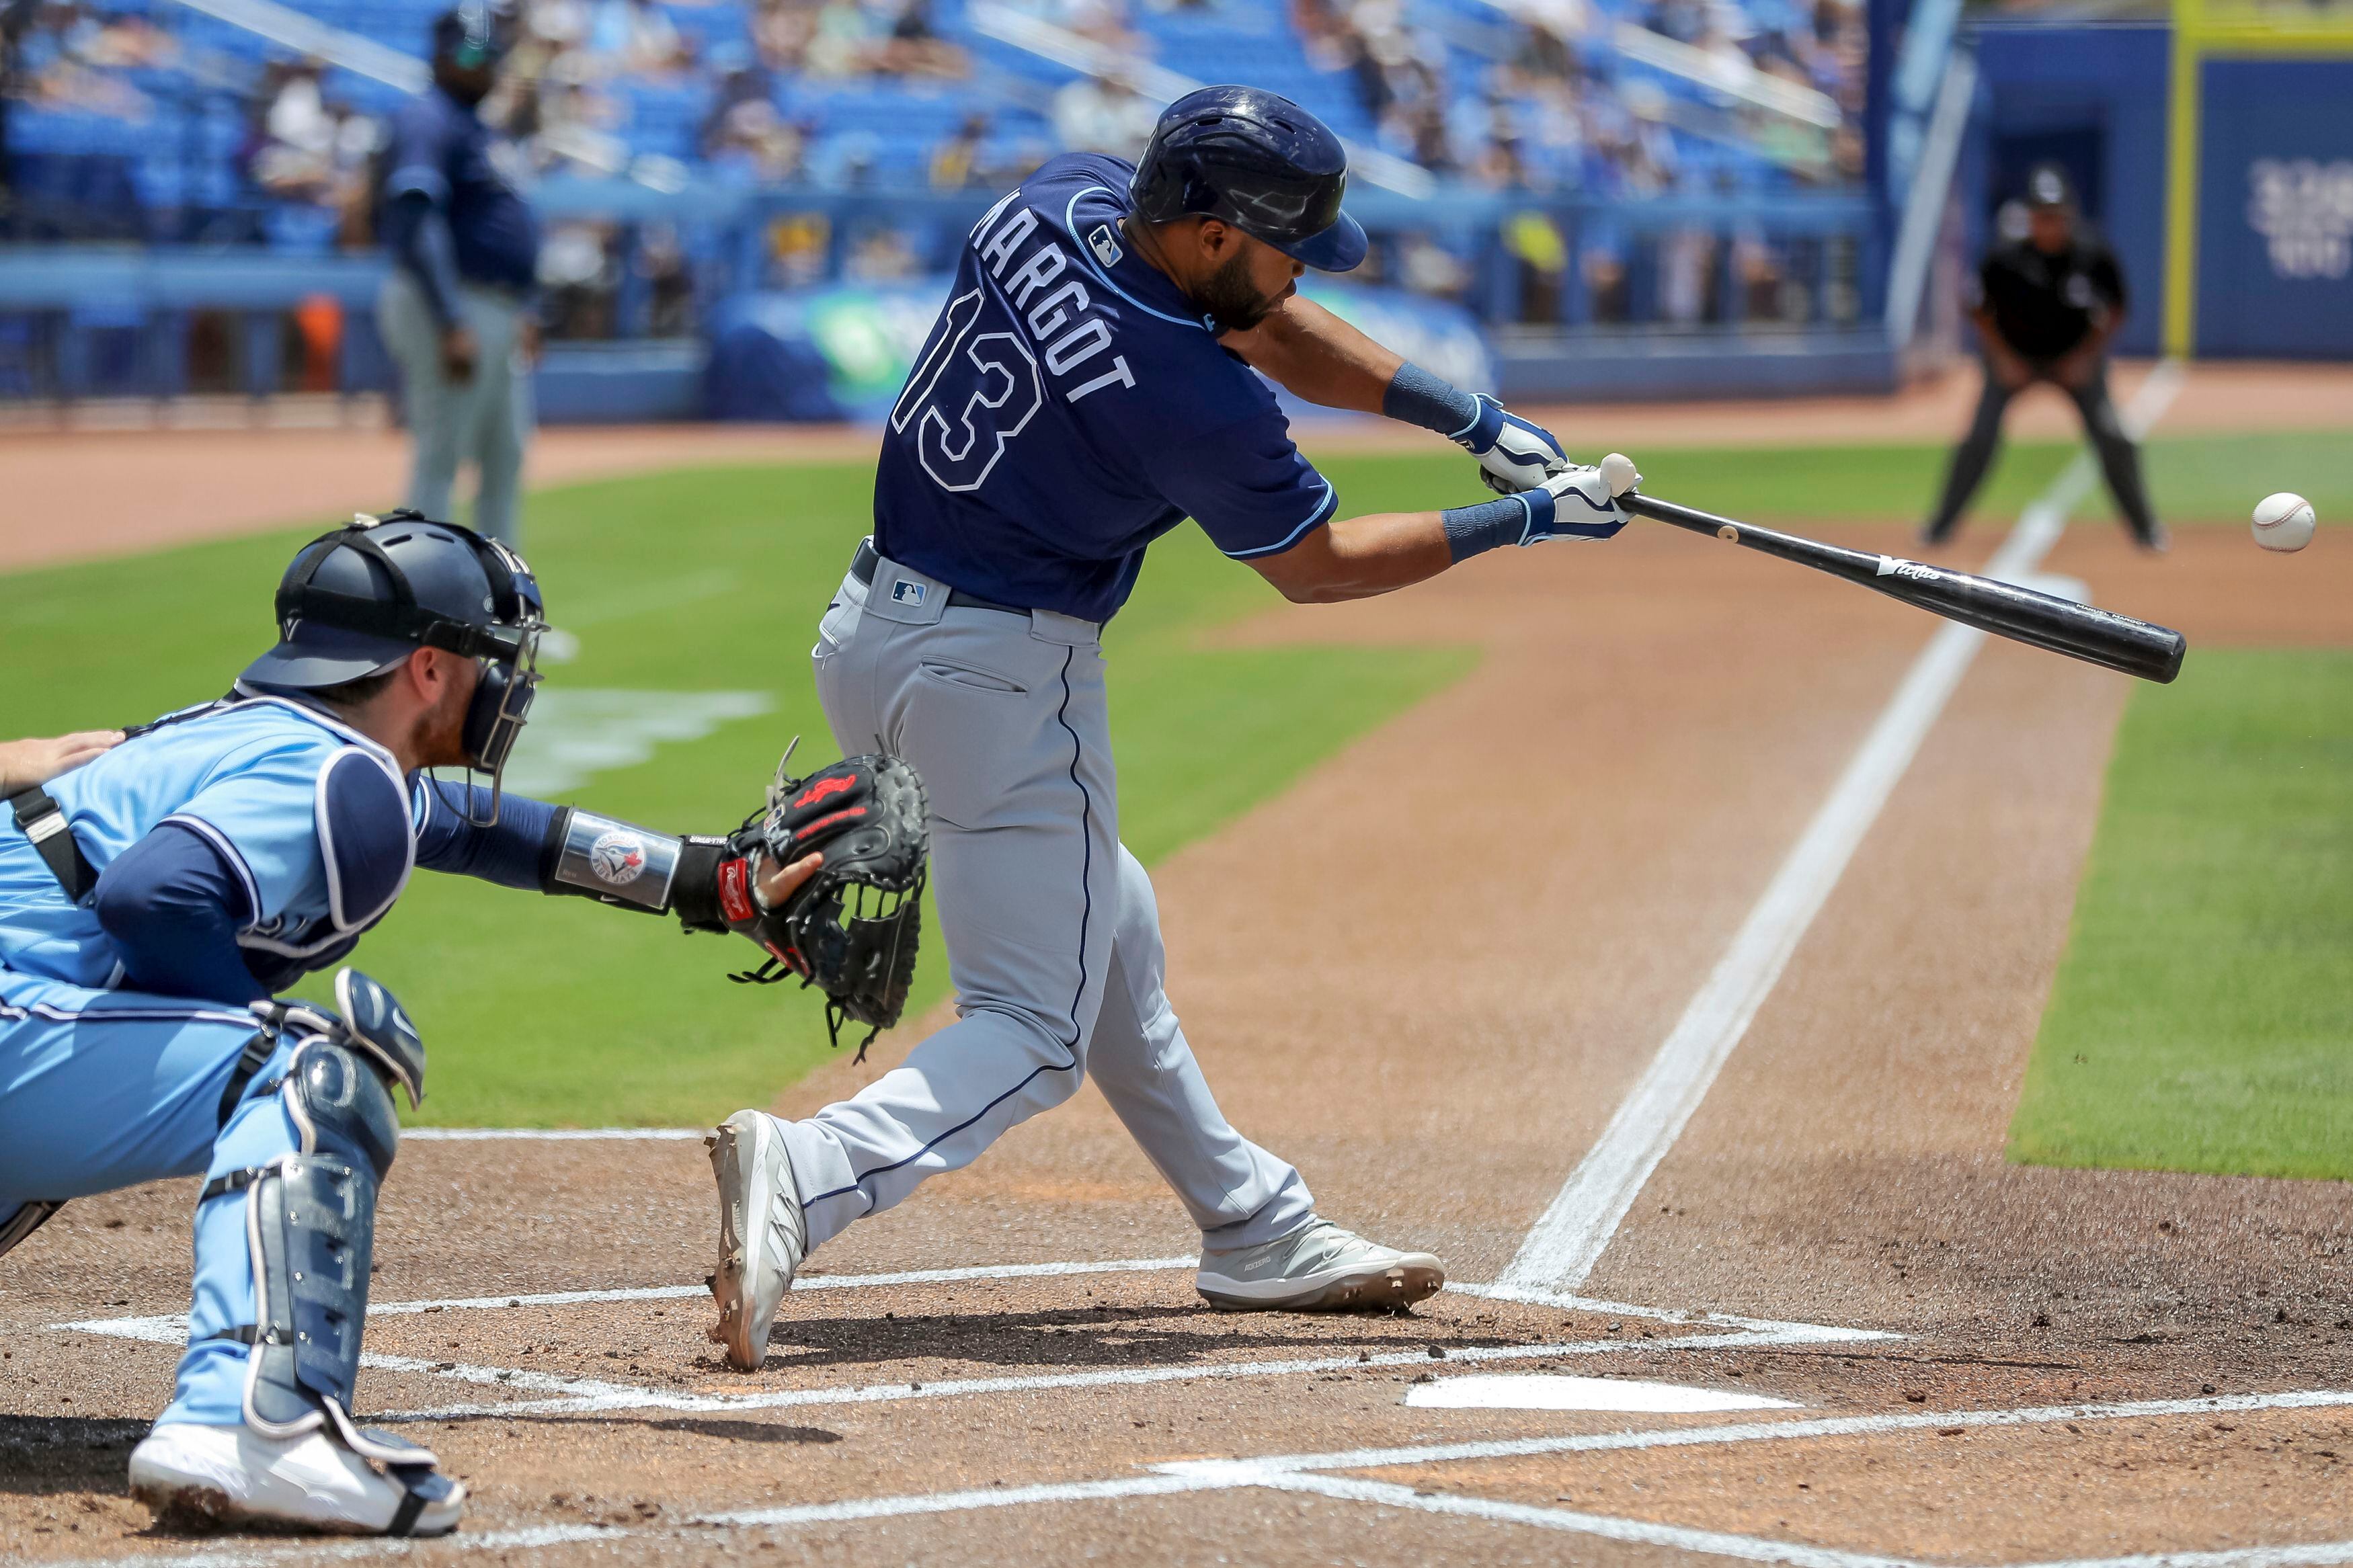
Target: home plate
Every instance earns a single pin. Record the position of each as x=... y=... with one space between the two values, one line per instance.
x=1545 y=1393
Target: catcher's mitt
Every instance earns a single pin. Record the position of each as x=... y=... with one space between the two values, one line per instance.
x=850 y=930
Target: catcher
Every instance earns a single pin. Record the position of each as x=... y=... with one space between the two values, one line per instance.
x=157 y=889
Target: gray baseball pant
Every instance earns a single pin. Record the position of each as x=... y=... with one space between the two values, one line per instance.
x=486 y=420
x=1052 y=937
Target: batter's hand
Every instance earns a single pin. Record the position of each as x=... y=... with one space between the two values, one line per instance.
x=24 y=763
x=1513 y=455
x=1581 y=502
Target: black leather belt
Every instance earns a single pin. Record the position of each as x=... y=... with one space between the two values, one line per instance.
x=862 y=564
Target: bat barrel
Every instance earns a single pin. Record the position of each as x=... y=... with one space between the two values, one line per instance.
x=2022 y=615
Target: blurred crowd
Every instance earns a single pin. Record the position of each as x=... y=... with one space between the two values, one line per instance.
x=1546 y=114
x=1520 y=95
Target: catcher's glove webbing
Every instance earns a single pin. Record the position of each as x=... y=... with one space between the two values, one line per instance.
x=850 y=930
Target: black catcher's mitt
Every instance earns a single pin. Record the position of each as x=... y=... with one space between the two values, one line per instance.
x=850 y=930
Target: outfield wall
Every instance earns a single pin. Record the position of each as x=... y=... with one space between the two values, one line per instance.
x=2270 y=268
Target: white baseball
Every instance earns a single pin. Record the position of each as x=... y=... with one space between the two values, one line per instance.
x=2283 y=521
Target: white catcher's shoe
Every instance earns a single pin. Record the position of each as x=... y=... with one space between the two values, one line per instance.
x=232 y=1475
x=1319 y=1268
x=762 y=1234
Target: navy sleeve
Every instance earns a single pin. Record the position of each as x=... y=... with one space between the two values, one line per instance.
x=173 y=907
x=1246 y=485
x=507 y=854
x=417 y=204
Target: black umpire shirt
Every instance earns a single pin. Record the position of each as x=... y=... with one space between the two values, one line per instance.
x=2044 y=305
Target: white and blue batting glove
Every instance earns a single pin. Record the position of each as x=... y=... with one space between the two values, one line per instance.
x=1580 y=502
x=1513 y=455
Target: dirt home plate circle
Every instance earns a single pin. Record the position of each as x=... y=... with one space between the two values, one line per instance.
x=2283 y=521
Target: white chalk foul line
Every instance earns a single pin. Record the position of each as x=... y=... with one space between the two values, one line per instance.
x=1793 y=1430
x=1635 y=1532
x=172 y=1327
x=583 y=1402
x=577 y=1395
x=1309 y=1473
x=1577 y=1226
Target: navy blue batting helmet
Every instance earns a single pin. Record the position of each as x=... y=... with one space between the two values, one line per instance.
x=1257 y=160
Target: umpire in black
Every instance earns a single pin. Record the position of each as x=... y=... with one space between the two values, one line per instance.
x=2049 y=304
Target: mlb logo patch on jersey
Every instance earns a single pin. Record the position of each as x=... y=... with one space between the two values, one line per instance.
x=905 y=593
x=1105 y=248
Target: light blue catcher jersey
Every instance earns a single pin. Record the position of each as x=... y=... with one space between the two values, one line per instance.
x=312 y=819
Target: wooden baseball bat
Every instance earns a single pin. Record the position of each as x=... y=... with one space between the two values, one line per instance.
x=2041 y=620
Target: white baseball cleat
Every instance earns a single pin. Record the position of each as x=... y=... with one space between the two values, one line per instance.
x=762 y=1234
x=1318 y=1269
x=234 y=1475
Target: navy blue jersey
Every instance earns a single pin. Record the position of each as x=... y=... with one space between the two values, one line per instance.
x=441 y=150
x=1070 y=407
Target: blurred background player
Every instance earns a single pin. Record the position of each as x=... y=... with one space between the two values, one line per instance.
x=2049 y=304
x=153 y=897
x=455 y=312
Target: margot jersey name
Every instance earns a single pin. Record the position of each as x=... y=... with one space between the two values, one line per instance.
x=1024 y=262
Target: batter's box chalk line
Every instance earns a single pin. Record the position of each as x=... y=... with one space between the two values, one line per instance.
x=1321 y=1475
x=560 y=1394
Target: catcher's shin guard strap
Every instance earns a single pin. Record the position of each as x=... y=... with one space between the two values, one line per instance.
x=614 y=862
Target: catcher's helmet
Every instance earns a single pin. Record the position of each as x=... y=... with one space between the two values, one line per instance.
x=1258 y=162
x=358 y=600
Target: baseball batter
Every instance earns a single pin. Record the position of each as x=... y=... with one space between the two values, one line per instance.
x=156 y=890
x=1093 y=380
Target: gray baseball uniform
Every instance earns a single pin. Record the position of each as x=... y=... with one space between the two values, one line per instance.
x=1052 y=936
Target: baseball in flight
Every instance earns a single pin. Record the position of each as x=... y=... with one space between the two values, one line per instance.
x=2283 y=521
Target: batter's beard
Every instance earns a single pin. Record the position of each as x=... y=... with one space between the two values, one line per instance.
x=1229 y=299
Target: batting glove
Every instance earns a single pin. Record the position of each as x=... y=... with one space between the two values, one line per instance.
x=1580 y=502
x=1513 y=455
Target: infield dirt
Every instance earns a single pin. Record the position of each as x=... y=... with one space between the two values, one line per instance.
x=1427 y=974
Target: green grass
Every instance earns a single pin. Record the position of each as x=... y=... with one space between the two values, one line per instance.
x=2202 y=1019
x=553 y=1010
x=2193 y=479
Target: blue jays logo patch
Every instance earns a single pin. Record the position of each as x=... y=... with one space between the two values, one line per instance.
x=617 y=857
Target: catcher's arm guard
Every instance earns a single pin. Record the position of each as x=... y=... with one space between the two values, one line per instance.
x=586 y=856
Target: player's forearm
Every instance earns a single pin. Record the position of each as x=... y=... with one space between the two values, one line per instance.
x=418 y=236
x=563 y=851
x=26 y=763
x=1358 y=557
x=1312 y=353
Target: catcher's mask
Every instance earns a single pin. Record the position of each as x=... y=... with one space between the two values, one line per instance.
x=361 y=598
